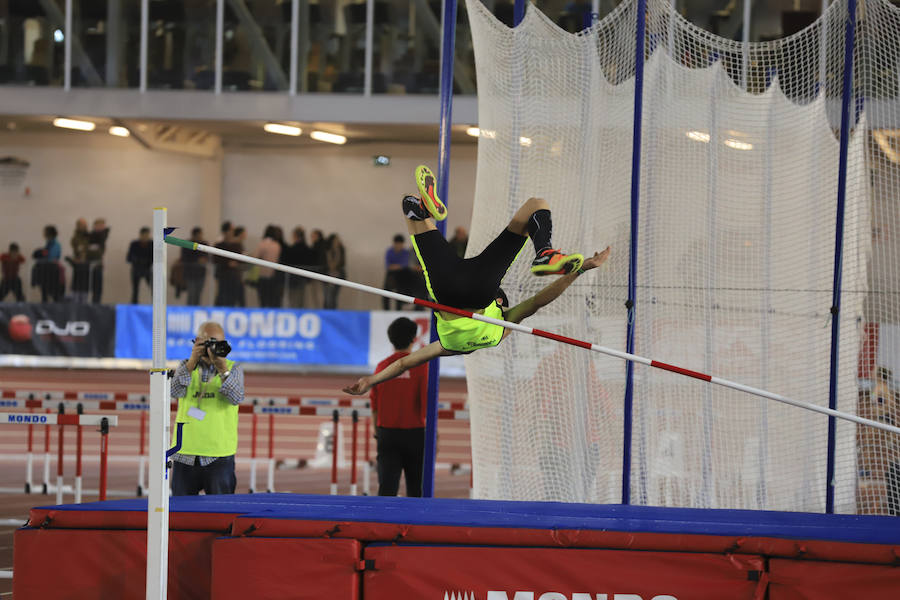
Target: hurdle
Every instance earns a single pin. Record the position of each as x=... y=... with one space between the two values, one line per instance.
x=61 y=419
x=272 y=406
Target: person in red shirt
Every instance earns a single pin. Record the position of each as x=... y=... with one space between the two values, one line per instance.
x=11 y=282
x=398 y=409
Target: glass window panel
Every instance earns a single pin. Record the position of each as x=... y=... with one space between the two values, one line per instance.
x=181 y=44
x=323 y=46
x=105 y=43
x=258 y=42
x=407 y=50
x=31 y=48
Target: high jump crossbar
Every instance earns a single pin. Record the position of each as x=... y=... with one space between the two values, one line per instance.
x=529 y=330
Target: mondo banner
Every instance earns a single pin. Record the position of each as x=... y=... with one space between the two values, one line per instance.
x=255 y=334
x=75 y=330
x=486 y=573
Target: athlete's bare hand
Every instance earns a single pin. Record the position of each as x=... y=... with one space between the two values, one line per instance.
x=359 y=388
x=596 y=260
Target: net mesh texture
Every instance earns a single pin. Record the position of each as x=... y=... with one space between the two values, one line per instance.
x=736 y=228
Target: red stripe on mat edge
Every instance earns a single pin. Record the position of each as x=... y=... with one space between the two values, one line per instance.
x=674 y=369
x=560 y=338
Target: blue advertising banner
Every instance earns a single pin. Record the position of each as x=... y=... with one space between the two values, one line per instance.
x=265 y=335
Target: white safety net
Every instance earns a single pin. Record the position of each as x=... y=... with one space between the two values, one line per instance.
x=735 y=258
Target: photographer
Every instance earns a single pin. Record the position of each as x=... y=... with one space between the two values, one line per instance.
x=209 y=388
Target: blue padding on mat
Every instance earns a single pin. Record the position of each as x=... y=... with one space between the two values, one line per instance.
x=530 y=515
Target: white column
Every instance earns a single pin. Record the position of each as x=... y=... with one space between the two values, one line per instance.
x=370 y=34
x=67 y=48
x=220 y=42
x=158 y=493
x=145 y=36
x=745 y=38
x=295 y=44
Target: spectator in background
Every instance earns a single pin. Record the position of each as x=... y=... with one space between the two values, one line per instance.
x=11 y=282
x=209 y=388
x=79 y=239
x=317 y=252
x=95 y=250
x=194 y=269
x=397 y=273
x=240 y=236
x=279 y=277
x=298 y=255
x=47 y=272
x=140 y=255
x=336 y=263
x=399 y=415
x=268 y=249
x=230 y=275
x=81 y=272
x=459 y=241
x=225 y=232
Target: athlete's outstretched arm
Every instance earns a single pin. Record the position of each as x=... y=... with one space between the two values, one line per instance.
x=525 y=309
x=398 y=367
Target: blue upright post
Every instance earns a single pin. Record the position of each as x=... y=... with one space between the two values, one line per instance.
x=448 y=49
x=518 y=12
x=632 y=265
x=846 y=92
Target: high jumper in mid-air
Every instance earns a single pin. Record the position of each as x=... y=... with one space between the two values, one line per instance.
x=474 y=283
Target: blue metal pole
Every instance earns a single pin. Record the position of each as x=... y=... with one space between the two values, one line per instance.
x=448 y=49
x=846 y=92
x=632 y=266
x=518 y=12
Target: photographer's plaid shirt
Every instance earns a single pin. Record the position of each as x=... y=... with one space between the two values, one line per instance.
x=232 y=388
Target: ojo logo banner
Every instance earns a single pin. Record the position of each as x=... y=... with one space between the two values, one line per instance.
x=255 y=334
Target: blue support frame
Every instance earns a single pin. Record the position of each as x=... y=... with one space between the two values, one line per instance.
x=641 y=34
x=448 y=49
x=518 y=12
x=846 y=92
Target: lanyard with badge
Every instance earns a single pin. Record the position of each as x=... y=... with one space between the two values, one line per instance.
x=219 y=348
x=195 y=412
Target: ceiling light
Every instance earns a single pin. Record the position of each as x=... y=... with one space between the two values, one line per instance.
x=119 y=131
x=525 y=141
x=74 y=124
x=738 y=145
x=282 y=129
x=58 y=36
x=698 y=136
x=485 y=133
x=331 y=138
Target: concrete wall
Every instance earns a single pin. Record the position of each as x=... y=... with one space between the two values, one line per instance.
x=74 y=175
x=333 y=188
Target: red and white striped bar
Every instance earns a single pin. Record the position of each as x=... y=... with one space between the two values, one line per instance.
x=260 y=405
x=532 y=331
x=72 y=395
x=56 y=419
